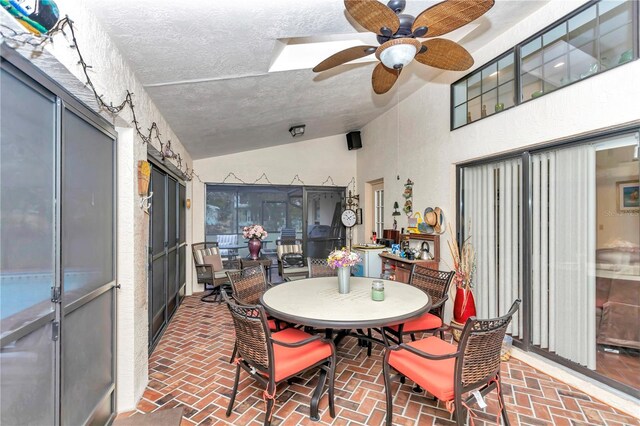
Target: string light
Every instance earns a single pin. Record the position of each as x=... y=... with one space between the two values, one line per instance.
x=38 y=42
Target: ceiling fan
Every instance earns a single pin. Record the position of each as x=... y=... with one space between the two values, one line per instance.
x=397 y=34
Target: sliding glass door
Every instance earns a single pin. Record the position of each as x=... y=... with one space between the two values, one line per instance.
x=560 y=228
x=57 y=255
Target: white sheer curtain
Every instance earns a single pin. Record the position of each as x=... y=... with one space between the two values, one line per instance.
x=492 y=200
x=563 y=252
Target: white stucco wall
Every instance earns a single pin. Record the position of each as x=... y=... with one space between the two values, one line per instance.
x=428 y=150
x=112 y=77
x=312 y=160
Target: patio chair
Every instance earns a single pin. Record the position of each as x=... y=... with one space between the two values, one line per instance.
x=247 y=285
x=273 y=358
x=318 y=267
x=448 y=371
x=211 y=270
x=288 y=235
x=228 y=240
x=436 y=284
x=290 y=259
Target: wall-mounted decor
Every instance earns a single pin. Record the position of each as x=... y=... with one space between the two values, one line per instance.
x=408 y=195
x=628 y=193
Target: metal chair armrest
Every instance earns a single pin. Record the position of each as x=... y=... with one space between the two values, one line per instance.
x=298 y=344
x=422 y=354
x=440 y=302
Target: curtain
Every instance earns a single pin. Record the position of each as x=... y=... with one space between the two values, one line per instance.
x=563 y=253
x=492 y=222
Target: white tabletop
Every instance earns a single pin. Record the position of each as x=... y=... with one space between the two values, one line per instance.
x=316 y=302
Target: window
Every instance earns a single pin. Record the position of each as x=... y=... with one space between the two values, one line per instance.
x=485 y=92
x=378 y=207
x=595 y=38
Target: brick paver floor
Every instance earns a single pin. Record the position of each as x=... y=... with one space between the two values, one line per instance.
x=189 y=368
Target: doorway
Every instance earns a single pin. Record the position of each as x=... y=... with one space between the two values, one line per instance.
x=167 y=250
x=57 y=262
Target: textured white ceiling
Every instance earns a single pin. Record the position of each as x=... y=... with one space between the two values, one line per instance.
x=206 y=65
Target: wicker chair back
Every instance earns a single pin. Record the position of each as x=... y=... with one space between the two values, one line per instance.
x=480 y=343
x=248 y=284
x=318 y=267
x=252 y=333
x=435 y=283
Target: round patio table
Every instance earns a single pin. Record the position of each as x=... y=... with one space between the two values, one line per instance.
x=316 y=302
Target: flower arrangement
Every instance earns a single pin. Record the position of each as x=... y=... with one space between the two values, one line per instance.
x=343 y=257
x=464 y=262
x=254 y=231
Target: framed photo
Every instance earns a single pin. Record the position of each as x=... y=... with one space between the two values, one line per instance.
x=628 y=193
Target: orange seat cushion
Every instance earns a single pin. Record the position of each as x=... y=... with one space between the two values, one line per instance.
x=434 y=376
x=272 y=324
x=425 y=321
x=290 y=361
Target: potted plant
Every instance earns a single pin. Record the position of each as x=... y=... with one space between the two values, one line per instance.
x=255 y=234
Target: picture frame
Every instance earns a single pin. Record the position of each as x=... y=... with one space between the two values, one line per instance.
x=628 y=196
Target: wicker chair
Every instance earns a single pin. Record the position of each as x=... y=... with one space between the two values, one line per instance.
x=436 y=285
x=320 y=268
x=448 y=371
x=286 y=269
x=273 y=358
x=212 y=280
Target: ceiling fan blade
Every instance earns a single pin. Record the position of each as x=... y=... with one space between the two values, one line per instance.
x=373 y=15
x=344 y=56
x=445 y=54
x=383 y=78
x=450 y=15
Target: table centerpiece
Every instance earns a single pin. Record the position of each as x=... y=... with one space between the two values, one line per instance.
x=343 y=260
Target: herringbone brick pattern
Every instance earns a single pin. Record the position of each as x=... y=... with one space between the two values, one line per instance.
x=190 y=369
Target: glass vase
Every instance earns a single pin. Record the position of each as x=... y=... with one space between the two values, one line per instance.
x=344 y=273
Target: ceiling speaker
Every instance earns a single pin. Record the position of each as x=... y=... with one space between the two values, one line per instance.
x=353 y=140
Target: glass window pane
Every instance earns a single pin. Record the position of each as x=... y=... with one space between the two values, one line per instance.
x=27 y=178
x=490 y=77
x=172 y=230
x=157 y=211
x=531 y=84
x=505 y=69
x=531 y=55
x=473 y=86
x=27 y=376
x=459 y=116
x=182 y=194
x=460 y=92
x=616 y=47
x=531 y=48
x=474 y=109
x=506 y=96
x=489 y=101
x=221 y=213
x=555 y=35
x=582 y=27
x=614 y=14
x=88 y=358
x=88 y=200
x=555 y=75
x=583 y=61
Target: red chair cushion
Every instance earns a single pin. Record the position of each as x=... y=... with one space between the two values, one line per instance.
x=426 y=321
x=290 y=361
x=434 y=376
x=272 y=324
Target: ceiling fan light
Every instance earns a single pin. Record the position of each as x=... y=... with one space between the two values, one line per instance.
x=397 y=56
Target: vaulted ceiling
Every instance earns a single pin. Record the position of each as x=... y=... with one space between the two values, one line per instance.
x=209 y=65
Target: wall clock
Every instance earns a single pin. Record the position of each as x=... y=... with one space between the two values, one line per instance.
x=348 y=218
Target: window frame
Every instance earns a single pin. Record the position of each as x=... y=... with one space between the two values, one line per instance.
x=517 y=48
